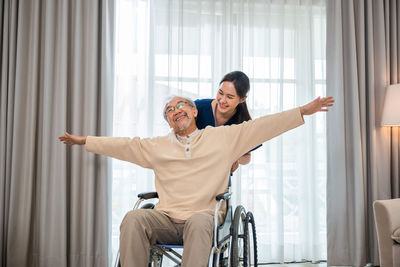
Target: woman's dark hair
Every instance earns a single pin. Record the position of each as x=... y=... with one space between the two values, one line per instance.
x=242 y=86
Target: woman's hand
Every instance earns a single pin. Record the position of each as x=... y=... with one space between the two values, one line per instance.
x=234 y=167
x=71 y=140
x=245 y=159
x=319 y=104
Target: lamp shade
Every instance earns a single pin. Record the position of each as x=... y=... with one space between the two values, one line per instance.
x=391 y=106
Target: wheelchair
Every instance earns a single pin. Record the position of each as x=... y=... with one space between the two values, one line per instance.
x=234 y=244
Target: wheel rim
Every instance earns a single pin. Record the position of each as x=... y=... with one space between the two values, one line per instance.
x=242 y=243
x=239 y=240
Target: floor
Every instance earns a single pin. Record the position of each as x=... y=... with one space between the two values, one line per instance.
x=295 y=265
x=170 y=264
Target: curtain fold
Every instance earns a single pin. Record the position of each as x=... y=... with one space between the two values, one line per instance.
x=361 y=60
x=56 y=76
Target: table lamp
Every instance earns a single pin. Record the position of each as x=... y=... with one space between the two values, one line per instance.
x=391 y=106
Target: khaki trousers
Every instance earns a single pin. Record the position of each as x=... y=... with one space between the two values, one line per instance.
x=143 y=227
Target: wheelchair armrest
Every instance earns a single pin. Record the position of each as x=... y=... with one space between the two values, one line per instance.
x=223 y=196
x=148 y=195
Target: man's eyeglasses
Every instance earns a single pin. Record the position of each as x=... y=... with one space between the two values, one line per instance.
x=179 y=105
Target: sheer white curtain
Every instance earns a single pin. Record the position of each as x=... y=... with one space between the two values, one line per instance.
x=185 y=47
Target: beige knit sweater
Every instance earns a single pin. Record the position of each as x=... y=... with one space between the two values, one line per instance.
x=188 y=177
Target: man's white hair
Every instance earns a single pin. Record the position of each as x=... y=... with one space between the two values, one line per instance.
x=170 y=98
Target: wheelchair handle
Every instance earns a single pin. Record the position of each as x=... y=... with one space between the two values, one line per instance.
x=148 y=195
x=223 y=196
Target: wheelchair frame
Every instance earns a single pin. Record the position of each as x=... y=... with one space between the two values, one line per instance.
x=232 y=246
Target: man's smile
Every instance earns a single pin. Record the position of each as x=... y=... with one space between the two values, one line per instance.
x=180 y=116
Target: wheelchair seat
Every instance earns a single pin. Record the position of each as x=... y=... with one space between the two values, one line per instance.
x=234 y=244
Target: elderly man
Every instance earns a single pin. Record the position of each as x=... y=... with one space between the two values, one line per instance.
x=191 y=167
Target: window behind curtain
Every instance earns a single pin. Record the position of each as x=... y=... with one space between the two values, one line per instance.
x=185 y=48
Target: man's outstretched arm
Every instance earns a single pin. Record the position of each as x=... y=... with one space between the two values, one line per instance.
x=252 y=133
x=123 y=148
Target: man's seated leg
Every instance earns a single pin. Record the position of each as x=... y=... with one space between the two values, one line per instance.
x=197 y=239
x=139 y=230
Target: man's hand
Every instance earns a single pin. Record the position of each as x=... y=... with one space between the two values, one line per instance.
x=71 y=140
x=319 y=104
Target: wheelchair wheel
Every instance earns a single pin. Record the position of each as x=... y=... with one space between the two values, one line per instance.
x=240 y=244
x=250 y=233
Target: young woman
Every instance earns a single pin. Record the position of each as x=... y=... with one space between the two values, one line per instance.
x=229 y=107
